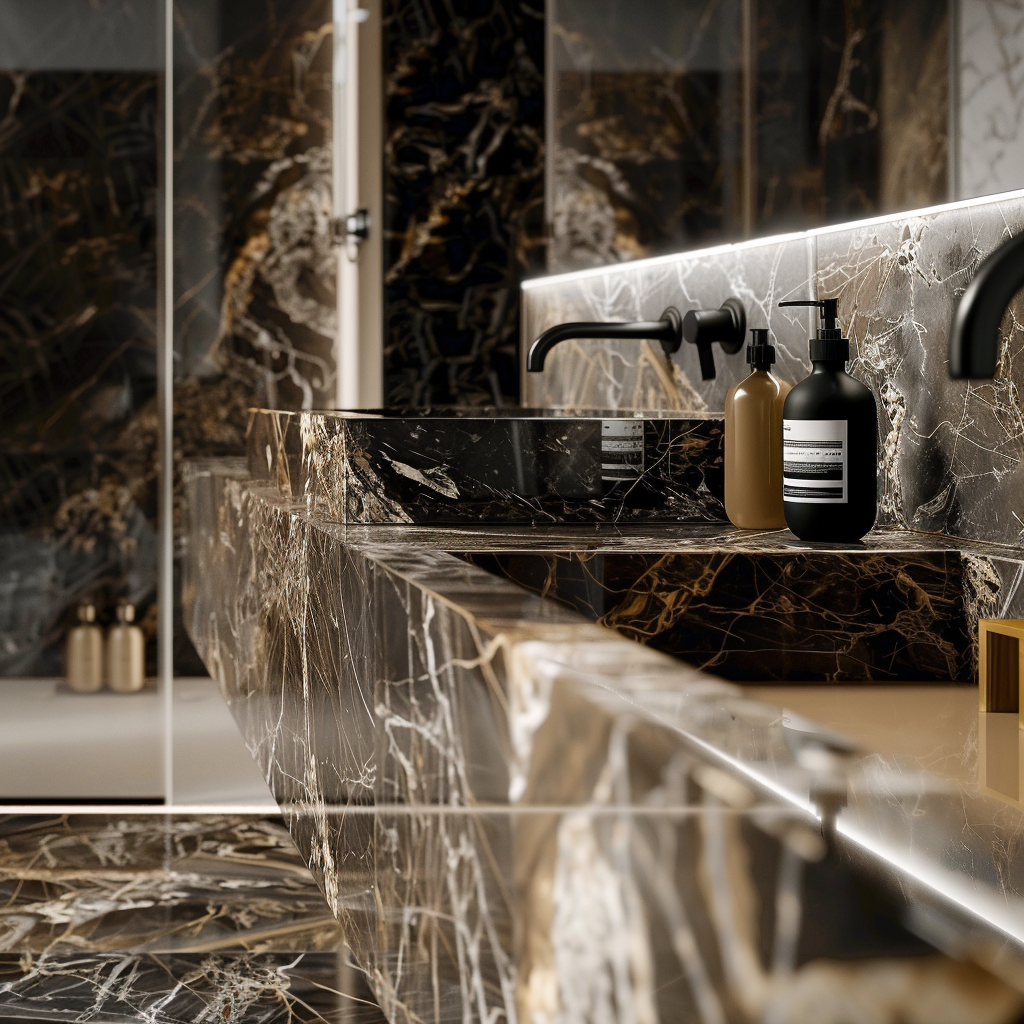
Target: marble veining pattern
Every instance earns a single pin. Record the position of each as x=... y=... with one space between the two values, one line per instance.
x=78 y=180
x=254 y=261
x=168 y=919
x=670 y=129
x=492 y=792
x=180 y=988
x=449 y=466
x=464 y=195
x=91 y=884
x=990 y=118
x=950 y=451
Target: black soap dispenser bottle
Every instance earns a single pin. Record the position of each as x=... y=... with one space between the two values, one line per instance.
x=829 y=442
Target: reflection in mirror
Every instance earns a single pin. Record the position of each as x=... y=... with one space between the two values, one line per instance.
x=672 y=126
x=999 y=740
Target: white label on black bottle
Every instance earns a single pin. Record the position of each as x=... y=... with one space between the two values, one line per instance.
x=622 y=449
x=814 y=461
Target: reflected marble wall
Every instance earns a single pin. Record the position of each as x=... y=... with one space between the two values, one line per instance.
x=78 y=438
x=672 y=128
x=464 y=194
x=254 y=264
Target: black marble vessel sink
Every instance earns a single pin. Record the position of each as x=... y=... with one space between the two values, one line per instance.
x=766 y=607
x=453 y=466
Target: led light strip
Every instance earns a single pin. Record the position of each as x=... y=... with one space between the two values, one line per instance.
x=755 y=243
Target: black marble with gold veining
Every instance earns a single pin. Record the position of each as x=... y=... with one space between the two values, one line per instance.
x=799 y=616
x=509 y=465
x=254 y=261
x=464 y=193
x=671 y=129
x=168 y=919
x=78 y=176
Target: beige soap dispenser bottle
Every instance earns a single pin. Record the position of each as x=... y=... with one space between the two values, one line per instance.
x=83 y=652
x=753 y=442
x=126 y=652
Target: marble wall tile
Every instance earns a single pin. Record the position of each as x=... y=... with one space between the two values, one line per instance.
x=464 y=194
x=646 y=124
x=670 y=129
x=254 y=262
x=631 y=375
x=78 y=192
x=990 y=118
x=949 y=450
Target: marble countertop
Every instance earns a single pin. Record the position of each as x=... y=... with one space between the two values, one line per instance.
x=490 y=788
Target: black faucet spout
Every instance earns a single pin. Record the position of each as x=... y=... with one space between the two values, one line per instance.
x=701 y=327
x=668 y=330
x=974 y=338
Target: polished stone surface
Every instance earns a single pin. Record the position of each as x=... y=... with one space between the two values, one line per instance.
x=464 y=194
x=949 y=450
x=167 y=919
x=509 y=465
x=493 y=791
x=144 y=883
x=182 y=988
x=672 y=127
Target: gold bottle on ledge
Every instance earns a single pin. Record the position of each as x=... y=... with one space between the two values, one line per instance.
x=126 y=652
x=83 y=652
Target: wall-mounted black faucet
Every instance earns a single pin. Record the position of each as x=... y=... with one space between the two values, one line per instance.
x=700 y=327
x=974 y=338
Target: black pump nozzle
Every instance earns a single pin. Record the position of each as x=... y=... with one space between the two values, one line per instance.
x=829 y=330
x=829 y=343
x=760 y=353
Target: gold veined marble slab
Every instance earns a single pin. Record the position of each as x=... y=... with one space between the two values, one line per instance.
x=493 y=791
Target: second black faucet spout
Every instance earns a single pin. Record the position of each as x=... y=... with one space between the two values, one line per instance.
x=974 y=338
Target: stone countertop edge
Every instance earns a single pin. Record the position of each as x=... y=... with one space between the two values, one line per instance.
x=872 y=823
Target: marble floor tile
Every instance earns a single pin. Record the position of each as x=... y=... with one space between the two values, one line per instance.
x=189 y=988
x=155 y=884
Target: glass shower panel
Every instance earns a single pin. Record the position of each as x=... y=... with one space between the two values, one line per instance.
x=80 y=89
x=254 y=288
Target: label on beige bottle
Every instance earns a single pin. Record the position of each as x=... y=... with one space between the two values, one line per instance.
x=814 y=461
x=622 y=449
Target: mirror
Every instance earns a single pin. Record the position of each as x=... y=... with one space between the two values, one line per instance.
x=685 y=124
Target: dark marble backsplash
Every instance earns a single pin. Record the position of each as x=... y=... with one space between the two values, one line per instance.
x=950 y=451
x=464 y=194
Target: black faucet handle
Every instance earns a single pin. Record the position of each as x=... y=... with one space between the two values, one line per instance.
x=726 y=325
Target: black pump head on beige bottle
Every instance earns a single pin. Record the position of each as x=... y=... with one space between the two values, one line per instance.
x=760 y=353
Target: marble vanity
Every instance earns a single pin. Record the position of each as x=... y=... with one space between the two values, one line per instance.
x=518 y=811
